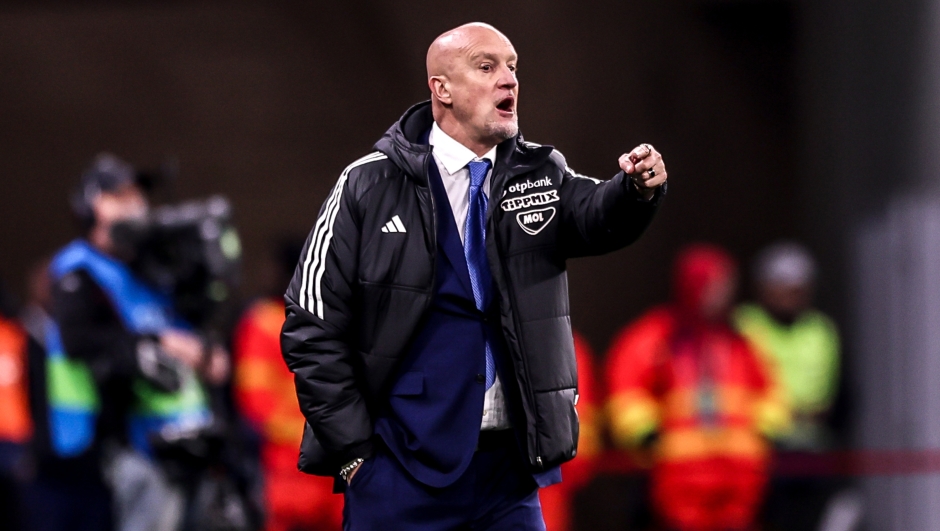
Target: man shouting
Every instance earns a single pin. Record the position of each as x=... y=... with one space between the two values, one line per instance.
x=427 y=321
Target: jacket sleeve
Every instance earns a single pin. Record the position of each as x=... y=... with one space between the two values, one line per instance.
x=601 y=216
x=91 y=329
x=317 y=339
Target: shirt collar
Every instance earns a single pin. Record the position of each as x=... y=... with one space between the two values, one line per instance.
x=452 y=154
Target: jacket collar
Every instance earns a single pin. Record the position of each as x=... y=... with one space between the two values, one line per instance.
x=452 y=154
x=405 y=146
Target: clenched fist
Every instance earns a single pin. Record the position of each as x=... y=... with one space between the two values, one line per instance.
x=645 y=167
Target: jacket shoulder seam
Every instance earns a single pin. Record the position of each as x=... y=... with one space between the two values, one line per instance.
x=357 y=171
x=558 y=159
x=363 y=177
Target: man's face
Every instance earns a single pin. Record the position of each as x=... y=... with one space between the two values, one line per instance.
x=484 y=87
x=126 y=203
x=717 y=297
x=786 y=301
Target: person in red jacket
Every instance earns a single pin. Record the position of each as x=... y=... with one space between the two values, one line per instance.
x=16 y=426
x=264 y=393
x=688 y=388
x=557 y=500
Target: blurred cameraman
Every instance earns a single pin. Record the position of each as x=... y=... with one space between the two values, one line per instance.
x=129 y=362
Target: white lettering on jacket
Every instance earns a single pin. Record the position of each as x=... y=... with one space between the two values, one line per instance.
x=526 y=201
x=529 y=185
x=533 y=221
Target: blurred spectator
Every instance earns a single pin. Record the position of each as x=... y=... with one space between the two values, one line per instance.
x=122 y=367
x=685 y=386
x=66 y=492
x=558 y=499
x=802 y=345
x=15 y=423
x=264 y=392
x=800 y=342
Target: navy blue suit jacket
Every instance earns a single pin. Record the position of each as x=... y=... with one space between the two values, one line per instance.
x=432 y=419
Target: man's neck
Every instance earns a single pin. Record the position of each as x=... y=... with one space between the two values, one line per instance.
x=458 y=132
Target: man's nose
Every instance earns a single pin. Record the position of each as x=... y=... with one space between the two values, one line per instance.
x=508 y=78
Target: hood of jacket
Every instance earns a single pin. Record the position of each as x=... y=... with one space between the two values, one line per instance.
x=699 y=270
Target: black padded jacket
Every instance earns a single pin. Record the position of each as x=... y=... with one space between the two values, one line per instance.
x=365 y=280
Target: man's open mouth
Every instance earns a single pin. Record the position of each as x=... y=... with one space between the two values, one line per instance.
x=507 y=104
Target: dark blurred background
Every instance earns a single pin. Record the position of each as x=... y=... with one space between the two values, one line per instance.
x=268 y=102
x=777 y=119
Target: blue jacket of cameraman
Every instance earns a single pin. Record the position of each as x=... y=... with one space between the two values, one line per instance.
x=104 y=329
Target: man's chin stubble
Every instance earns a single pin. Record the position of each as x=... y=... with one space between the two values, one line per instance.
x=502 y=131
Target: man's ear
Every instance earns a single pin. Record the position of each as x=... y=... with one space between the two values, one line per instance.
x=440 y=89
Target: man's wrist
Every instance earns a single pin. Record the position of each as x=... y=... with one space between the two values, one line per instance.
x=645 y=193
x=349 y=468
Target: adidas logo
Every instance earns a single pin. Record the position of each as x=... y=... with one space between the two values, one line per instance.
x=395 y=225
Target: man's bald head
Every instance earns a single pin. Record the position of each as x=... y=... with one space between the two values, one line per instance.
x=450 y=44
x=472 y=77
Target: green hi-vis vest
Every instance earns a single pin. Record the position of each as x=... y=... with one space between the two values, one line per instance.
x=73 y=398
x=804 y=355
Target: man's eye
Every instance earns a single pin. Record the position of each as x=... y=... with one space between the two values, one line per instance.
x=512 y=68
x=486 y=68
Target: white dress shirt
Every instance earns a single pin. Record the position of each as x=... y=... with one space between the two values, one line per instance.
x=452 y=158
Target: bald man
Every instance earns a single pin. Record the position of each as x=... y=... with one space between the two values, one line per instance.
x=427 y=320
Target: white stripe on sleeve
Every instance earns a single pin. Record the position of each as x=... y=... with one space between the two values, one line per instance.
x=315 y=260
x=578 y=175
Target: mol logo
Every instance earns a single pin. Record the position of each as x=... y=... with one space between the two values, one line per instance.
x=533 y=221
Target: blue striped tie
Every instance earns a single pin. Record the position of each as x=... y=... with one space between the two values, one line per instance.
x=474 y=248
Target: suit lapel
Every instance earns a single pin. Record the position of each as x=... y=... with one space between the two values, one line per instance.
x=448 y=239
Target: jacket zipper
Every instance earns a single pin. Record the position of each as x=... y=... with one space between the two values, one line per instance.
x=433 y=224
x=525 y=365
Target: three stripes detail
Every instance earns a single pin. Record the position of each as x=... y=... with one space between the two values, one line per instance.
x=311 y=294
